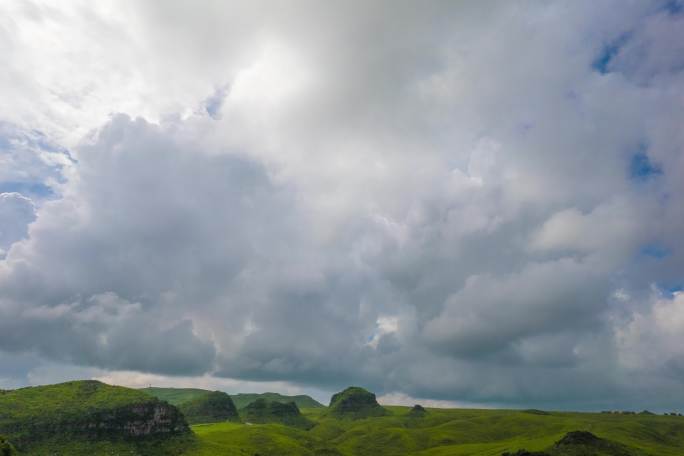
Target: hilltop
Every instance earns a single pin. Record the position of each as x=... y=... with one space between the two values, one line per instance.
x=580 y=443
x=302 y=400
x=263 y=411
x=178 y=396
x=212 y=407
x=86 y=411
x=355 y=403
x=175 y=396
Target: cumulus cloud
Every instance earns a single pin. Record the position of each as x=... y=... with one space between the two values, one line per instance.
x=16 y=212
x=449 y=202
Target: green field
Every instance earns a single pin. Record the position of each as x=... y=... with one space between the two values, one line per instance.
x=90 y=418
x=440 y=432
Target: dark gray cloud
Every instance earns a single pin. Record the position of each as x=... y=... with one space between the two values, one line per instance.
x=443 y=201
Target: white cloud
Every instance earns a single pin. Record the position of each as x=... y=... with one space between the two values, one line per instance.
x=435 y=202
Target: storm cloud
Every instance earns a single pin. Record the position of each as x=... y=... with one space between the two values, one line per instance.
x=437 y=200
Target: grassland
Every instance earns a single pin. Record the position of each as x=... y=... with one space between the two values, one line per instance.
x=37 y=422
x=175 y=396
x=441 y=432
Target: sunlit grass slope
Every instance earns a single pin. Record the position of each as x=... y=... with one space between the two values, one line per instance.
x=175 y=396
x=442 y=432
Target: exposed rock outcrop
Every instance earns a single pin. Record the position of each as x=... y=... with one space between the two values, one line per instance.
x=525 y=453
x=417 y=411
x=587 y=444
x=213 y=407
x=136 y=420
x=355 y=403
x=262 y=411
x=87 y=410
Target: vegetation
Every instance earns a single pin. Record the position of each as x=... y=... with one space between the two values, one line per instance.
x=178 y=396
x=449 y=432
x=213 y=407
x=262 y=411
x=6 y=448
x=355 y=403
x=84 y=414
x=417 y=411
x=348 y=428
x=302 y=400
x=175 y=396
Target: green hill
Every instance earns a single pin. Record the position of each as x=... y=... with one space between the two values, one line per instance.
x=449 y=432
x=83 y=414
x=213 y=407
x=262 y=411
x=90 y=418
x=175 y=396
x=303 y=401
x=355 y=403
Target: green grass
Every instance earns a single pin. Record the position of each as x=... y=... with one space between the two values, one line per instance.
x=29 y=414
x=83 y=418
x=175 y=396
x=441 y=432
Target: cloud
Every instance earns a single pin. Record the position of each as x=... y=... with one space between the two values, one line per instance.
x=16 y=212
x=438 y=202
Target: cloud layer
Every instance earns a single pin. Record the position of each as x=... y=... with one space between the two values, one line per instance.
x=441 y=201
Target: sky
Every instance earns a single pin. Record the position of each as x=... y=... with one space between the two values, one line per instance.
x=457 y=203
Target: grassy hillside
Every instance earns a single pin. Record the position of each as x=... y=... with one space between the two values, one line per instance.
x=355 y=403
x=213 y=407
x=90 y=418
x=302 y=401
x=262 y=411
x=85 y=415
x=452 y=432
x=175 y=396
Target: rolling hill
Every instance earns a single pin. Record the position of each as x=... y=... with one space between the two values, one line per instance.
x=213 y=407
x=450 y=432
x=302 y=400
x=90 y=418
x=84 y=417
x=355 y=403
x=262 y=411
x=177 y=396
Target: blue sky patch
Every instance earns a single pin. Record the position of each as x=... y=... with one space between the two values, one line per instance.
x=674 y=7
x=27 y=188
x=655 y=250
x=641 y=167
x=602 y=62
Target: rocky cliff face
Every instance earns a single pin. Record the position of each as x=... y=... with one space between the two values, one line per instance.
x=136 y=420
x=263 y=411
x=212 y=407
x=85 y=410
x=355 y=403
